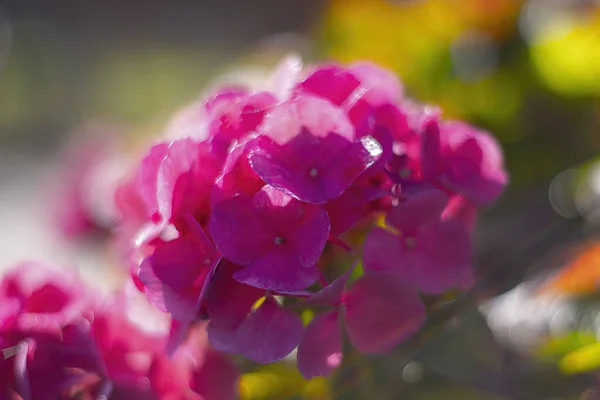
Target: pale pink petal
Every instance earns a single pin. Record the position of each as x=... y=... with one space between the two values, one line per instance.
x=381 y=312
x=317 y=115
x=285 y=76
x=146 y=179
x=320 y=350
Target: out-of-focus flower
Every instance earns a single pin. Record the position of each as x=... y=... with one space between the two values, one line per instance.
x=61 y=340
x=82 y=194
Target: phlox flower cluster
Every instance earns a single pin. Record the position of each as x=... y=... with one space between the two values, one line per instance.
x=61 y=340
x=259 y=202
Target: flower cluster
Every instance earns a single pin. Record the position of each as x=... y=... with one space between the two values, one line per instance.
x=60 y=341
x=240 y=215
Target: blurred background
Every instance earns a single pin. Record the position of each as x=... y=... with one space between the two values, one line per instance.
x=106 y=76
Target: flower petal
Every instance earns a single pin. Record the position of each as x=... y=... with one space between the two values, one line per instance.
x=349 y=164
x=270 y=333
x=238 y=232
x=419 y=208
x=331 y=82
x=381 y=312
x=384 y=251
x=443 y=257
x=280 y=269
x=215 y=378
x=320 y=350
x=331 y=294
x=227 y=300
x=312 y=113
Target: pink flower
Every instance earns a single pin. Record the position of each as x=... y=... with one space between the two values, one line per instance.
x=44 y=333
x=378 y=312
x=430 y=253
x=308 y=150
x=276 y=238
x=99 y=350
x=238 y=209
x=464 y=160
x=38 y=296
x=81 y=196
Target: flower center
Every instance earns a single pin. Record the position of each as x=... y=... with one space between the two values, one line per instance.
x=410 y=242
x=313 y=172
x=279 y=240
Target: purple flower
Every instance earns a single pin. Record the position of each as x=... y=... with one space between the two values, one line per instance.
x=276 y=238
x=308 y=150
x=428 y=252
x=378 y=312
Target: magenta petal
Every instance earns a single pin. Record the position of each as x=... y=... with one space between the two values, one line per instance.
x=384 y=251
x=418 y=208
x=284 y=167
x=430 y=149
x=216 y=378
x=270 y=333
x=310 y=237
x=443 y=257
x=320 y=350
x=350 y=163
x=381 y=312
x=465 y=174
x=237 y=177
x=280 y=269
x=331 y=82
x=310 y=168
x=180 y=303
x=238 y=231
x=172 y=276
x=331 y=294
x=223 y=338
x=227 y=300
